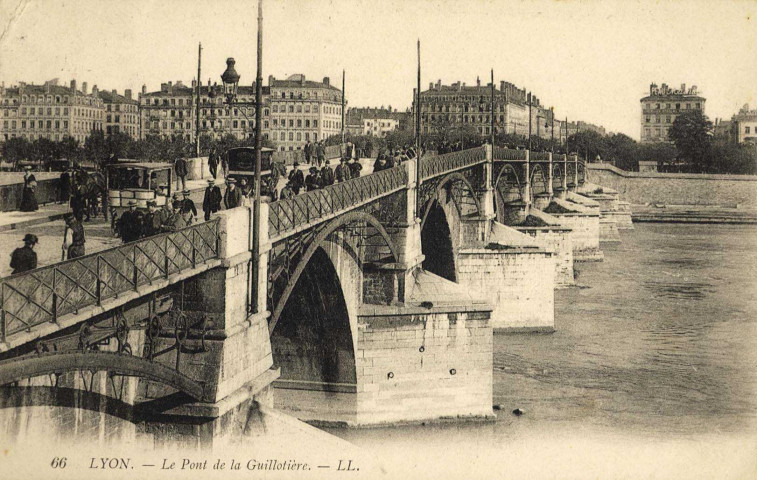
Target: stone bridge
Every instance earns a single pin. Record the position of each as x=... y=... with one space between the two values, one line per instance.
x=376 y=302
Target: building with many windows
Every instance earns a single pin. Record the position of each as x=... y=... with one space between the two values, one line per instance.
x=660 y=108
x=377 y=121
x=295 y=111
x=303 y=110
x=50 y=111
x=447 y=106
x=121 y=113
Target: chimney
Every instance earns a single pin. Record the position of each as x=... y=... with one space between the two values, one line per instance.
x=194 y=83
x=179 y=83
x=683 y=88
x=73 y=86
x=439 y=84
x=144 y=89
x=114 y=92
x=94 y=90
x=326 y=81
x=271 y=78
x=164 y=87
x=502 y=86
x=463 y=84
x=127 y=93
x=430 y=85
x=478 y=81
x=84 y=88
x=47 y=87
x=459 y=85
x=170 y=88
x=302 y=80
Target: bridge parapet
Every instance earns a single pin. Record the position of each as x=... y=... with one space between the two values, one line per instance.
x=501 y=153
x=48 y=294
x=438 y=165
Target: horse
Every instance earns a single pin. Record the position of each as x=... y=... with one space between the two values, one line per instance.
x=94 y=192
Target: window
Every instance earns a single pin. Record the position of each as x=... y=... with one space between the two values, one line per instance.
x=299 y=108
x=678 y=106
x=667 y=119
x=291 y=136
x=746 y=129
x=291 y=108
x=307 y=123
x=307 y=136
x=291 y=123
x=65 y=111
x=236 y=124
x=299 y=136
x=658 y=106
x=299 y=123
x=315 y=125
x=699 y=106
x=23 y=125
x=275 y=122
x=688 y=106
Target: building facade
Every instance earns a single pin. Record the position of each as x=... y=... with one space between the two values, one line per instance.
x=50 y=111
x=448 y=106
x=121 y=113
x=295 y=111
x=303 y=110
x=744 y=125
x=661 y=107
x=377 y=122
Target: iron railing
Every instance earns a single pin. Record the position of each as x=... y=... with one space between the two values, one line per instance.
x=501 y=153
x=48 y=293
x=442 y=164
x=288 y=215
x=539 y=156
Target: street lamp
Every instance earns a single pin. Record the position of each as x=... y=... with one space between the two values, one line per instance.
x=230 y=80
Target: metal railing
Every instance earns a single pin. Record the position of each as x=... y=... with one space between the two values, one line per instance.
x=442 y=164
x=46 y=294
x=501 y=153
x=539 y=156
x=286 y=216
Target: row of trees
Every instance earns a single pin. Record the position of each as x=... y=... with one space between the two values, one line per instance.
x=99 y=147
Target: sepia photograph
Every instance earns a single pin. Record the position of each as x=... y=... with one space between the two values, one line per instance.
x=393 y=239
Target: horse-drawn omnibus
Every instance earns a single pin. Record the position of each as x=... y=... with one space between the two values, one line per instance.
x=137 y=181
x=241 y=162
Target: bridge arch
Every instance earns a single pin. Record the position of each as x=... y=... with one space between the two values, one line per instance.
x=539 y=180
x=508 y=188
x=557 y=175
x=458 y=189
x=314 y=325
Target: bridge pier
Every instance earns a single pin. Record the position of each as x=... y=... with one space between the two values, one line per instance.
x=229 y=351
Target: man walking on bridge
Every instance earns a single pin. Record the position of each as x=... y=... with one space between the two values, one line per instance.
x=211 y=202
x=25 y=258
x=76 y=247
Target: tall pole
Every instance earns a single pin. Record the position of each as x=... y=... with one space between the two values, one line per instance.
x=492 y=108
x=529 y=121
x=258 y=152
x=197 y=106
x=418 y=134
x=552 y=109
x=342 y=146
x=566 y=135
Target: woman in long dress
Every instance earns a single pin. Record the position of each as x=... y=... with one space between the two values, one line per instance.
x=29 y=195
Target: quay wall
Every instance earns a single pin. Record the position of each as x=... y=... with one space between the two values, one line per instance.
x=676 y=188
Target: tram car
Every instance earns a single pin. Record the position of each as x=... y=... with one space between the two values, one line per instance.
x=139 y=182
x=241 y=162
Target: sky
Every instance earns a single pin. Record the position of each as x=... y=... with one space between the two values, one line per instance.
x=592 y=60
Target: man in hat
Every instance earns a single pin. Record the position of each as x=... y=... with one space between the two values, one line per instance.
x=77 y=202
x=152 y=220
x=327 y=175
x=213 y=162
x=245 y=190
x=320 y=152
x=130 y=223
x=296 y=178
x=180 y=167
x=65 y=185
x=211 y=202
x=312 y=182
x=355 y=168
x=308 y=151
x=188 y=208
x=76 y=246
x=342 y=172
x=380 y=164
x=232 y=198
x=176 y=221
x=25 y=258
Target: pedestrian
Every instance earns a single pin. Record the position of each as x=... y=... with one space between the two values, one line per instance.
x=327 y=175
x=130 y=223
x=152 y=220
x=213 y=162
x=211 y=202
x=76 y=246
x=25 y=258
x=180 y=168
x=312 y=181
x=65 y=186
x=308 y=152
x=245 y=190
x=320 y=153
x=397 y=158
x=355 y=168
x=175 y=221
x=342 y=172
x=77 y=202
x=29 y=193
x=286 y=192
x=188 y=208
x=296 y=178
x=232 y=198
x=380 y=164
x=225 y=164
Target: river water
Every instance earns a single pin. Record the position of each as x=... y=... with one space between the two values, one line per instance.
x=657 y=344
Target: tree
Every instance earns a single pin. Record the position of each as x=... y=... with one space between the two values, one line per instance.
x=16 y=149
x=588 y=144
x=622 y=151
x=691 y=133
x=660 y=152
